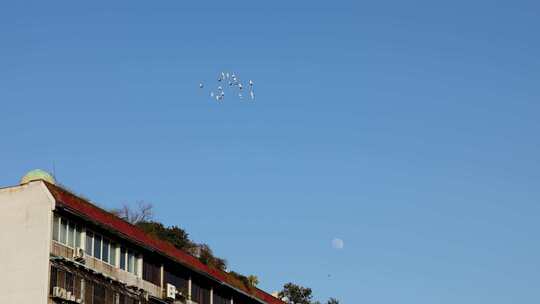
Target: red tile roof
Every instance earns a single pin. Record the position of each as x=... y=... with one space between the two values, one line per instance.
x=91 y=212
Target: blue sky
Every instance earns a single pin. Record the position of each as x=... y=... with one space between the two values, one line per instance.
x=409 y=129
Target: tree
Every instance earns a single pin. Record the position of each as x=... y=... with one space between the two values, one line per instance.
x=333 y=301
x=142 y=217
x=295 y=294
x=174 y=234
x=206 y=255
x=253 y=280
x=141 y=213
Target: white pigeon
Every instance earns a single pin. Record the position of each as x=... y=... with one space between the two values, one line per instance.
x=250 y=83
x=201 y=85
x=240 y=86
x=252 y=95
x=212 y=94
x=220 y=88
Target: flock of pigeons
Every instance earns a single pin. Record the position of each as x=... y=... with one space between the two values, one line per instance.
x=231 y=83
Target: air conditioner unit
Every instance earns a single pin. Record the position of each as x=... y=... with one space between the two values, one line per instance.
x=78 y=254
x=62 y=293
x=56 y=291
x=171 y=291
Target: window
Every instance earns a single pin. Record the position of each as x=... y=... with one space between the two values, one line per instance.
x=56 y=229
x=70 y=284
x=176 y=276
x=71 y=236
x=131 y=262
x=200 y=293
x=88 y=292
x=123 y=299
x=123 y=258
x=220 y=298
x=151 y=271
x=106 y=251
x=97 y=247
x=54 y=279
x=128 y=261
x=78 y=236
x=63 y=230
x=99 y=294
x=89 y=243
x=66 y=280
x=100 y=248
x=113 y=254
x=66 y=232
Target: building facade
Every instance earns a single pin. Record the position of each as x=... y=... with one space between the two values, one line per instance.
x=60 y=248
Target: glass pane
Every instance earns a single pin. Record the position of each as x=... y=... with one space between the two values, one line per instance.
x=89 y=243
x=71 y=235
x=97 y=247
x=123 y=258
x=54 y=279
x=131 y=262
x=105 y=250
x=113 y=255
x=55 y=228
x=77 y=236
x=70 y=282
x=63 y=231
x=99 y=294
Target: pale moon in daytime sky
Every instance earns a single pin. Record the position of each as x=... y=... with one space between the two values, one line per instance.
x=338 y=244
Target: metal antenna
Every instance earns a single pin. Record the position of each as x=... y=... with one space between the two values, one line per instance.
x=54 y=169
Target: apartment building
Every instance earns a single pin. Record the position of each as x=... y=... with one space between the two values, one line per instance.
x=58 y=247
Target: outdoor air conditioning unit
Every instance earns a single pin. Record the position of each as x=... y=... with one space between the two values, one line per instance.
x=56 y=292
x=171 y=291
x=78 y=254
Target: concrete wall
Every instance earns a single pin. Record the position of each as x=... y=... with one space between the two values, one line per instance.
x=25 y=230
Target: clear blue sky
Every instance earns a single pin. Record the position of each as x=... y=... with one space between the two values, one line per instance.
x=410 y=129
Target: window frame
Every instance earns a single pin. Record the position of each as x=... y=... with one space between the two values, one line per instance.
x=111 y=247
x=127 y=252
x=70 y=240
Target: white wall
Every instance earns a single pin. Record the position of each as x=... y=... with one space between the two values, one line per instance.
x=25 y=230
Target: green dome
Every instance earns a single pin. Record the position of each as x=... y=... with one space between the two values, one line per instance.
x=37 y=174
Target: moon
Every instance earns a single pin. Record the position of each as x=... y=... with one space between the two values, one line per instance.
x=338 y=244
